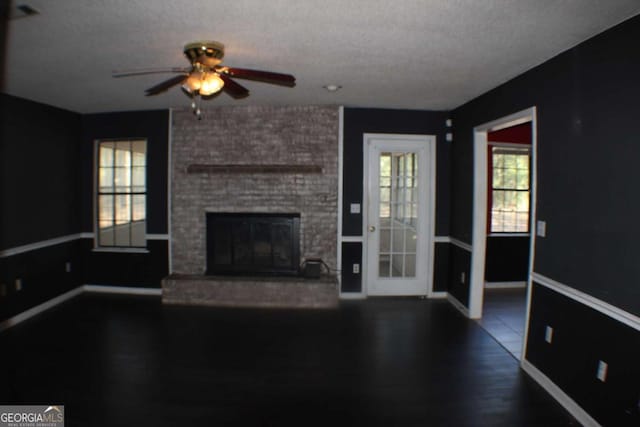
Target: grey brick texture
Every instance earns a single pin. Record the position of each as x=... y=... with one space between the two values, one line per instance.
x=254 y=135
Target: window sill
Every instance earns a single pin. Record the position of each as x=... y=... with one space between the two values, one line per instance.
x=508 y=234
x=122 y=250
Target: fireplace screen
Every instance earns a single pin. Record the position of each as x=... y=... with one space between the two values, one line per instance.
x=253 y=243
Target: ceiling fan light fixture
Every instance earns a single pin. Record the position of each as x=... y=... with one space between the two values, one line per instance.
x=332 y=88
x=211 y=83
x=193 y=82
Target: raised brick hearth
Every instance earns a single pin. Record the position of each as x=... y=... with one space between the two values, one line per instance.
x=253 y=159
x=263 y=292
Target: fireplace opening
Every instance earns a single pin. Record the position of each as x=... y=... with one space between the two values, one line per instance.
x=253 y=244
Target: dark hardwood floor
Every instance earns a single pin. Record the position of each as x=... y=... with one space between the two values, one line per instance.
x=130 y=361
x=504 y=316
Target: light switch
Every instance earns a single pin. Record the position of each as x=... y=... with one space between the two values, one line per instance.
x=548 y=334
x=602 y=371
x=355 y=208
x=541 y=229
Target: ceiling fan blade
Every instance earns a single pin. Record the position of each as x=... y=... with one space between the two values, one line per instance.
x=141 y=72
x=161 y=87
x=234 y=89
x=263 y=76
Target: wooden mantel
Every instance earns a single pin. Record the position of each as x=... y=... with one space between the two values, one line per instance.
x=227 y=169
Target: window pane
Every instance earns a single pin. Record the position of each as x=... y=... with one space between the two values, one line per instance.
x=123 y=155
x=384 y=267
x=385 y=164
x=138 y=179
x=410 y=240
x=105 y=210
x=122 y=179
x=410 y=266
x=385 y=194
x=105 y=180
x=139 y=207
x=138 y=234
x=397 y=265
x=522 y=201
x=123 y=209
x=106 y=154
x=121 y=170
x=123 y=235
x=522 y=180
x=106 y=234
x=385 y=241
x=139 y=150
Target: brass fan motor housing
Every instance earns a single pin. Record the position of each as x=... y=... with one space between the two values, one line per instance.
x=207 y=54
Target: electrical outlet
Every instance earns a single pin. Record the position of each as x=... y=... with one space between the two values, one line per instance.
x=602 y=371
x=548 y=334
x=462 y=277
x=356 y=268
x=67 y=267
x=18 y=285
x=354 y=208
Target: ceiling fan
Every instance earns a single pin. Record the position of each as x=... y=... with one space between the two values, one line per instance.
x=206 y=77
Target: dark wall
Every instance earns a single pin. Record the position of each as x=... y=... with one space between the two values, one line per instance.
x=507 y=259
x=133 y=269
x=582 y=337
x=39 y=155
x=587 y=114
x=152 y=125
x=587 y=100
x=39 y=158
x=357 y=122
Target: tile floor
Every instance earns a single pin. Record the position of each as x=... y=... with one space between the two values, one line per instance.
x=504 y=316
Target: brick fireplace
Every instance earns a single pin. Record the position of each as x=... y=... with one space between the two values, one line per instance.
x=253 y=160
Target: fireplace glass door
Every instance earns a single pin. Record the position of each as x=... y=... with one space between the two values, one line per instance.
x=253 y=243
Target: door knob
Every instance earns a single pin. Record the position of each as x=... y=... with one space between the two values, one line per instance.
x=372 y=228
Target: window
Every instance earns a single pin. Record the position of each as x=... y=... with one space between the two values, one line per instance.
x=510 y=190
x=121 y=193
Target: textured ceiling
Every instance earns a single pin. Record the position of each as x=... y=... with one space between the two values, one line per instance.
x=419 y=54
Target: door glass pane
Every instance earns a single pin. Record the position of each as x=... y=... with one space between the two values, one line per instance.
x=384 y=269
x=398 y=215
x=397 y=265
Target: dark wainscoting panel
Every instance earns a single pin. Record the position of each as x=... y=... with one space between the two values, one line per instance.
x=583 y=336
x=351 y=254
x=460 y=263
x=441 y=267
x=507 y=259
x=144 y=270
x=43 y=275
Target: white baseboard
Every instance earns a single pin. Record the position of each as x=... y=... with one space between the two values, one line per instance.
x=505 y=285
x=556 y=392
x=125 y=290
x=352 y=295
x=457 y=304
x=41 y=308
x=439 y=295
x=12 y=321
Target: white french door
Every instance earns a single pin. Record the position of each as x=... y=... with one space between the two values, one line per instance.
x=399 y=214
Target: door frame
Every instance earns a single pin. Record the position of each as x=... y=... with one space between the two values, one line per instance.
x=480 y=179
x=430 y=148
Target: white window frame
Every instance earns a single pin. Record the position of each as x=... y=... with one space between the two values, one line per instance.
x=98 y=247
